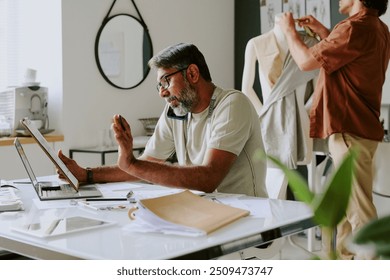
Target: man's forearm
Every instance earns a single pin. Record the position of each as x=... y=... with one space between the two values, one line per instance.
x=323 y=32
x=301 y=53
x=202 y=178
x=113 y=173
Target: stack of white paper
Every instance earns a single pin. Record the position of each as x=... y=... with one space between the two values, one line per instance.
x=183 y=213
x=9 y=201
x=147 y=221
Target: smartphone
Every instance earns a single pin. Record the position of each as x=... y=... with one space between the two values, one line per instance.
x=121 y=122
x=171 y=114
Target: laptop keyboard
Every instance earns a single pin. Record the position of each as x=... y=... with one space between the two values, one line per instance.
x=64 y=190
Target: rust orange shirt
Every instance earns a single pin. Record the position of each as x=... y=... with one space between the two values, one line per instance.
x=354 y=59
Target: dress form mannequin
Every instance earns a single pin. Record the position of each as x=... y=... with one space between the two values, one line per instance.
x=269 y=50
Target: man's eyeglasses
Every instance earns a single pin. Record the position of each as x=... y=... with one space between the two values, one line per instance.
x=164 y=81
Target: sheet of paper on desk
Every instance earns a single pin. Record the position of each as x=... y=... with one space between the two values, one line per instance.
x=258 y=207
x=148 y=222
x=139 y=194
x=117 y=189
x=61 y=203
x=141 y=190
x=67 y=203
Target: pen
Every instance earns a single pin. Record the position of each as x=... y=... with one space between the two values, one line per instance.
x=106 y=199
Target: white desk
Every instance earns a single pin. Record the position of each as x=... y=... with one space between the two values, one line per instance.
x=114 y=242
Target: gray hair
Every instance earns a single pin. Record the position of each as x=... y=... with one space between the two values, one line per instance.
x=180 y=56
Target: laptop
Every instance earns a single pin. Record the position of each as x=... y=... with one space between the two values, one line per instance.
x=46 y=190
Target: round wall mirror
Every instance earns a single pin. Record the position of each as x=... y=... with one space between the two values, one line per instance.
x=122 y=50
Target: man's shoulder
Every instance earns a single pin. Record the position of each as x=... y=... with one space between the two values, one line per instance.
x=221 y=93
x=227 y=97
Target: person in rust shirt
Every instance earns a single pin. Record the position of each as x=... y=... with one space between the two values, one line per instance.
x=353 y=60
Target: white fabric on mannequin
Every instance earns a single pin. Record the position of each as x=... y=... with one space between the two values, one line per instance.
x=269 y=50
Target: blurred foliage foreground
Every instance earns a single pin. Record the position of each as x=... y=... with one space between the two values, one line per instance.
x=330 y=207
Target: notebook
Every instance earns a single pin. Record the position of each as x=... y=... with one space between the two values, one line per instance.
x=50 y=190
x=183 y=213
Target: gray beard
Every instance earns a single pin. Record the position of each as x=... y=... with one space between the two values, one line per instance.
x=188 y=98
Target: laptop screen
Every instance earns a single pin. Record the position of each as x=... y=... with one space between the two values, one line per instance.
x=50 y=153
x=26 y=163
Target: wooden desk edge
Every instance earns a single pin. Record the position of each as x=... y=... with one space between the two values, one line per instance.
x=9 y=141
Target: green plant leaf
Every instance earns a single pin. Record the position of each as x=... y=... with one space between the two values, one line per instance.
x=383 y=250
x=330 y=208
x=378 y=230
x=297 y=183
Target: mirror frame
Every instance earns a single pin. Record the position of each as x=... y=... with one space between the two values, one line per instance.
x=104 y=24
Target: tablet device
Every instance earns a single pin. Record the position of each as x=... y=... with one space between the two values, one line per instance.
x=62 y=226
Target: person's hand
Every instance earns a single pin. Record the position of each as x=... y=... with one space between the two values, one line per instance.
x=308 y=21
x=124 y=138
x=79 y=172
x=314 y=25
x=286 y=23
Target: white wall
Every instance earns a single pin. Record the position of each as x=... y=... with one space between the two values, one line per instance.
x=41 y=48
x=386 y=88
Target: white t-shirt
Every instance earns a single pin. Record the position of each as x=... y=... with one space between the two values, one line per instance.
x=232 y=126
